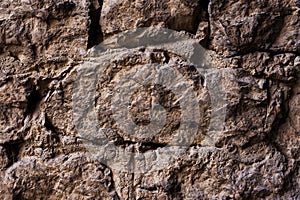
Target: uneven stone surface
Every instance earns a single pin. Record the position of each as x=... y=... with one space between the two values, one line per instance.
x=241 y=27
x=255 y=154
x=175 y=14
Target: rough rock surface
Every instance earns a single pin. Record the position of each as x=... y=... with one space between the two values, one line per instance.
x=255 y=156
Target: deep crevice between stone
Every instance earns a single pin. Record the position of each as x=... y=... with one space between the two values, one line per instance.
x=33 y=101
x=204 y=6
x=12 y=150
x=146 y=146
x=95 y=34
x=54 y=130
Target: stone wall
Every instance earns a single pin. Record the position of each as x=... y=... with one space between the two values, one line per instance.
x=256 y=155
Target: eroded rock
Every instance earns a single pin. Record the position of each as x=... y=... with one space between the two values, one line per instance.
x=254 y=156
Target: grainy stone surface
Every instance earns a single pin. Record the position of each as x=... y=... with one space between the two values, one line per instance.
x=256 y=155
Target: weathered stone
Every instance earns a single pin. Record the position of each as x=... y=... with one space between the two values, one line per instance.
x=119 y=16
x=247 y=149
x=244 y=27
x=72 y=176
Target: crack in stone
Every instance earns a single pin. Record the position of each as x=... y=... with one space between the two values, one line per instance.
x=95 y=35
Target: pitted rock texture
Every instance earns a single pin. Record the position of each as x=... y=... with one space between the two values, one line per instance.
x=255 y=156
x=241 y=27
x=175 y=14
